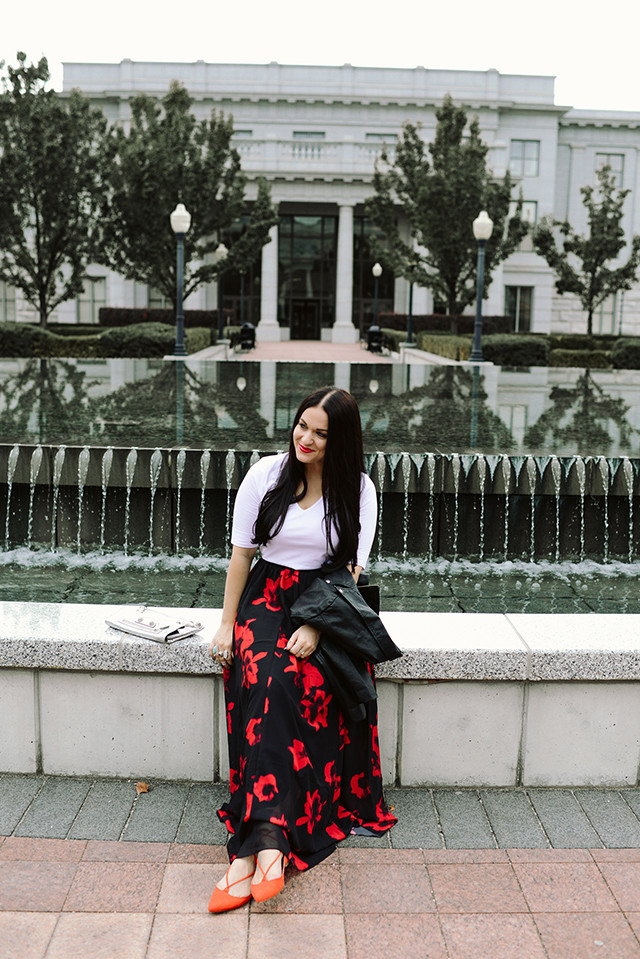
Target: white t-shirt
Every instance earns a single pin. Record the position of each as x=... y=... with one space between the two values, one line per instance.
x=301 y=543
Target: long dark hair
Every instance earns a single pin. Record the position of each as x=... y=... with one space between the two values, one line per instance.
x=341 y=477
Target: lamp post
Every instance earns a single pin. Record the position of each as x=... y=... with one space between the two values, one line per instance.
x=376 y=269
x=220 y=253
x=482 y=230
x=180 y=223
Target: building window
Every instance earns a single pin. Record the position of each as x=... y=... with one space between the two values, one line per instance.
x=243 y=133
x=157 y=300
x=363 y=279
x=604 y=317
x=308 y=135
x=381 y=137
x=518 y=304
x=307 y=274
x=93 y=296
x=529 y=214
x=7 y=303
x=616 y=162
x=525 y=157
x=140 y=295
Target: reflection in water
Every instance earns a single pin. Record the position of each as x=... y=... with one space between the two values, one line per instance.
x=445 y=414
x=250 y=405
x=582 y=418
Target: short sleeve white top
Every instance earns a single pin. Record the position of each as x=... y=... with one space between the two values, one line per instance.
x=301 y=543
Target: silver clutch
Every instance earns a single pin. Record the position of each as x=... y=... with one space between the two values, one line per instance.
x=158 y=629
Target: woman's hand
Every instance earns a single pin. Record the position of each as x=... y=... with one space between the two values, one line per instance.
x=304 y=641
x=221 y=648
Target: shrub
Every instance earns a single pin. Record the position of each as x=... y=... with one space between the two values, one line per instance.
x=516 y=349
x=144 y=339
x=580 y=341
x=442 y=323
x=198 y=338
x=625 y=354
x=123 y=316
x=391 y=339
x=74 y=329
x=149 y=339
x=19 y=339
x=78 y=347
x=23 y=339
x=586 y=359
x=453 y=347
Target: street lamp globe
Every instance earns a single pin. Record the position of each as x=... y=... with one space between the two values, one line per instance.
x=482 y=226
x=376 y=269
x=180 y=219
x=180 y=223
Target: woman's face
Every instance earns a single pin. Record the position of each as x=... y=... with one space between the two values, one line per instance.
x=310 y=436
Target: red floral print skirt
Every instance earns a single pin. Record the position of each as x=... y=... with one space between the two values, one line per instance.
x=301 y=776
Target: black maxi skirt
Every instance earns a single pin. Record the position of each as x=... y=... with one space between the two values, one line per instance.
x=301 y=776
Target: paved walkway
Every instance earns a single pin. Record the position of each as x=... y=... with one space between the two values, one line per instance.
x=303 y=351
x=466 y=874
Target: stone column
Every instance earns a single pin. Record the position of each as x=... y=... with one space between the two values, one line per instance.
x=343 y=328
x=268 y=330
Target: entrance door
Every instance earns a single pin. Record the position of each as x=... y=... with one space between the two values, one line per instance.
x=305 y=320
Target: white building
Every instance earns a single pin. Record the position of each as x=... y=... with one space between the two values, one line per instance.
x=314 y=132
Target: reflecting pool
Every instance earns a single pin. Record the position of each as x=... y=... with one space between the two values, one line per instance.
x=410 y=408
x=441 y=586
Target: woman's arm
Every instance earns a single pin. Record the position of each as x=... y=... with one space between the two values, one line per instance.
x=237 y=575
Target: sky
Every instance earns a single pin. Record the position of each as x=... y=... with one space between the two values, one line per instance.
x=593 y=53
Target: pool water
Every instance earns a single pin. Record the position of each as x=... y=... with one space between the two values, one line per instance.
x=460 y=587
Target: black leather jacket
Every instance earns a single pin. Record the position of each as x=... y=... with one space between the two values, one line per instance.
x=353 y=636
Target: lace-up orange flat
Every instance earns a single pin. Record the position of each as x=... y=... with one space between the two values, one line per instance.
x=267 y=888
x=222 y=900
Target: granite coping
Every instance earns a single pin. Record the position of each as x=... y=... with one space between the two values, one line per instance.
x=436 y=646
x=575 y=646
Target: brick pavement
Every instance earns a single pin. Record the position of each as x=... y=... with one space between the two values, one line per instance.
x=519 y=894
x=61 y=899
x=304 y=351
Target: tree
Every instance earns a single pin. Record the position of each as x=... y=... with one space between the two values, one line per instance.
x=580 y=261
x=440 y=198
x=166 y=157
x=579 y=419
x=52 y=170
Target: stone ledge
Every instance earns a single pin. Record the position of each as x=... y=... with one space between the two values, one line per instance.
x=437 y=646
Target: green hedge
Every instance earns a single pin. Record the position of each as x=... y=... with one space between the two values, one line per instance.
x=580 y=341
x=123 y=316
x=391 y=339
x=515 y=349
x=150 y=339
x=432 y=322
x=145 y=339
x=625 y=354
x=453 y=347
x=586 y=359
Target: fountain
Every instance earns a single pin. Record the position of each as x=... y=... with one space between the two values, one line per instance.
x=127 y=484
x=432 y=504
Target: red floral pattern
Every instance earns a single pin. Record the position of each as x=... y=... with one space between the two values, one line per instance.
x=295 y=761
x=313 y=811
x=266 y=787
x=300 y=755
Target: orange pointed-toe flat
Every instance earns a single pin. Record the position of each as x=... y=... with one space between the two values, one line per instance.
x=267 y=888
x=222 y=900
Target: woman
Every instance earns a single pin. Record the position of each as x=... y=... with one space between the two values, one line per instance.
x=302 y=777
